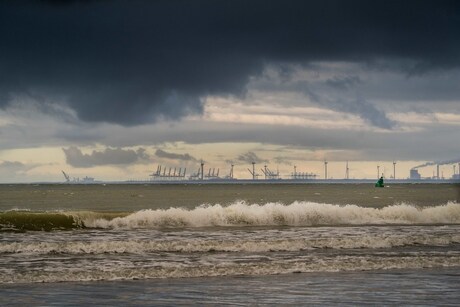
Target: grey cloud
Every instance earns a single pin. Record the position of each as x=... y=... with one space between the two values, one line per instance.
x=169 y=155
x=109 y=156
x=16 y=167
x=343 y=82
x=282 y=160
x=15 y=171
x=369 y=145
x=250 y=157
x=435 y=143
x=319 y=94
x=357 y=106
x=353 y=105
x=365 y=110
x=12 y=165
x=147 y=60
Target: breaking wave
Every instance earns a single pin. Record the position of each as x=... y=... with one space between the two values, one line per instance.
x=204 y=245
x=236 y=214
x=276 y=214
x=22 y=220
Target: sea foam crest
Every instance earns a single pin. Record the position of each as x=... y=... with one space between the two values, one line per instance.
x=273 y=214
x=281 y=242
x=330 y=264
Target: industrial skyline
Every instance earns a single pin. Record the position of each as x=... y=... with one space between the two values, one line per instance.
x=169 y=173
x=206 y=172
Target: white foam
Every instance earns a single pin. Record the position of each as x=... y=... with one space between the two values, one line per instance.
x=334 y=264
x=273 y=214
x=280 y=242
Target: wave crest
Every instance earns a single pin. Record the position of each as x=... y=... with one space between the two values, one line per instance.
x=277 y=214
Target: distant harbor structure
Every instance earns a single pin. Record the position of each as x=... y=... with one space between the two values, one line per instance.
x=414 y=174
x=457 y=175
x=178 y=174
x=168 y=173
x=437 y=173
x=255 y=176
x=85 y=179
x=302 y=175
x=269 y=174
x=171 y=174
x=230 y=175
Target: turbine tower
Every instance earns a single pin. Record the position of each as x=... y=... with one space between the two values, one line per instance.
x=202 y=169
x=394 y=169
x=253 y=172
x=347 y=172
x=325 y=169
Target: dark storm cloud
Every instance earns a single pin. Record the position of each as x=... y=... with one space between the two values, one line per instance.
x=109 y=156
x=169 y=155
x=131 y=62
x=250 y=157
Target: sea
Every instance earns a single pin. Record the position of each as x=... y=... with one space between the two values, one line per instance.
x=229 y=244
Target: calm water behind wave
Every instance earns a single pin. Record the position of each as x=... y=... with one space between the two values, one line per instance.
x=113 y=197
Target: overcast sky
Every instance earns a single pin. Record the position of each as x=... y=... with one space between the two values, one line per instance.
x=111 y=89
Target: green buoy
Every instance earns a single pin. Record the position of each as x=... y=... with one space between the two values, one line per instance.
x=379 y=183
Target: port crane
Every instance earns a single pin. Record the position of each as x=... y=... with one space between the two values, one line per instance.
x=67 y=177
